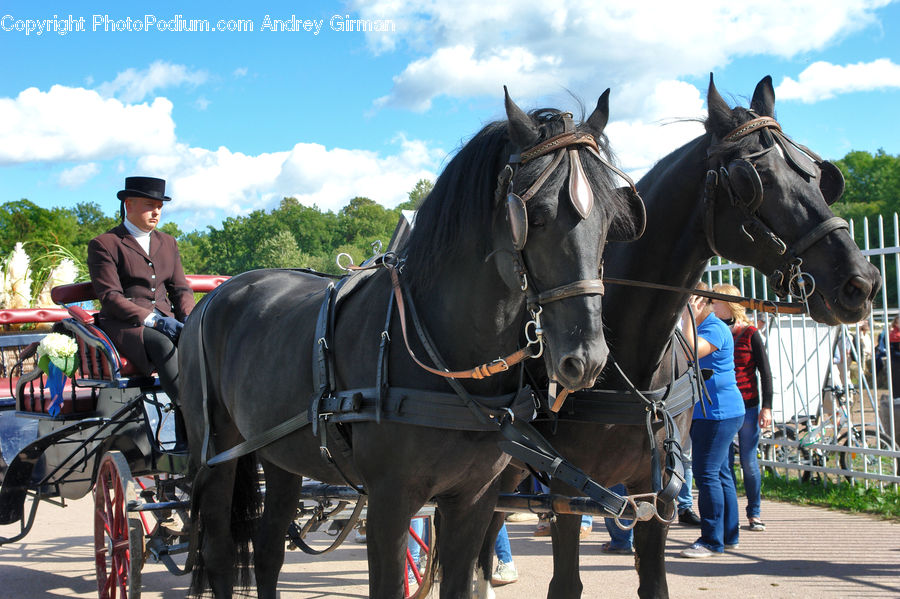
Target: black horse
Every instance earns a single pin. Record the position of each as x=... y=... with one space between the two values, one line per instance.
x=259 y=351
x=764 y=204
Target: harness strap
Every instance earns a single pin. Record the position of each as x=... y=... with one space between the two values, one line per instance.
x=381 y=376
x=261 y=440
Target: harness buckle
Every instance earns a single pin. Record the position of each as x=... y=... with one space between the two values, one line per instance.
x=502 y=363
x=323 y=342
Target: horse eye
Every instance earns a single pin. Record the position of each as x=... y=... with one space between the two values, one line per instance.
x=538 y=218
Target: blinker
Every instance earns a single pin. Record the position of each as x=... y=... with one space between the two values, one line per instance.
x=831 y=182
x=517 y=217
x=745 y=183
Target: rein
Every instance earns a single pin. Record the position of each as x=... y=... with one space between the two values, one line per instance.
x=768 y=306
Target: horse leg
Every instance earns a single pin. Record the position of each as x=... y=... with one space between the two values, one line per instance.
x=387 y=529
x=509 y=480
x=650 y=548
x=483 y=588
x=566 y=581
x=282 y=497
x=460 y=523
x=217 y=550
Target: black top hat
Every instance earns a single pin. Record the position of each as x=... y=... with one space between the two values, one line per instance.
x=144 y=187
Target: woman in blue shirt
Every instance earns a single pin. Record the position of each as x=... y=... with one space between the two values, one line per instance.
x=713 y=432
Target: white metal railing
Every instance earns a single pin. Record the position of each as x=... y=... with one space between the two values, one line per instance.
x=833 y=412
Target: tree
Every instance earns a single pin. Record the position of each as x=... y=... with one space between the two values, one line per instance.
x=279 y=251
x=418 y=194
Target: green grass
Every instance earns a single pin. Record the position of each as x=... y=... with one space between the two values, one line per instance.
x=838 y=496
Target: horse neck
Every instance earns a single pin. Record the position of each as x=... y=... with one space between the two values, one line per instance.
x=473 y=318
x=672 y=251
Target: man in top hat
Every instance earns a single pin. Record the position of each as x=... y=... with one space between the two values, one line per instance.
x=137 y=275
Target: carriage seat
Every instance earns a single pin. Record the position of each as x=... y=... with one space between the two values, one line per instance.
x=101 y=363
x=32 y=395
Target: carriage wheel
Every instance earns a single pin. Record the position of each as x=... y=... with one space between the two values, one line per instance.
x=423 y=576
x=118 y=536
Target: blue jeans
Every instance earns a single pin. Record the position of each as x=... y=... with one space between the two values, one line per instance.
x=418 y=525
x=715 y=483
x=501 y=546
x=748 y=442
x=618 y=538
x=685 y=500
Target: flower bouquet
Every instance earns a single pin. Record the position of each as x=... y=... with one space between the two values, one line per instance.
x=58 y=358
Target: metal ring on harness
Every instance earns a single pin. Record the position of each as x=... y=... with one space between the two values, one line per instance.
x=341 y=266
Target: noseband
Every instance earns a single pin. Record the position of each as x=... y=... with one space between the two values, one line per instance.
x=744 y=188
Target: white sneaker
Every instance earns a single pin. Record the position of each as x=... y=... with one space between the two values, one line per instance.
x=698 y=550
x=504 y=574
x=360 y=535
x=521 y=517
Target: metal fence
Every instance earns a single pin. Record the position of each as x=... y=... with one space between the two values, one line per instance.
x=834 y=416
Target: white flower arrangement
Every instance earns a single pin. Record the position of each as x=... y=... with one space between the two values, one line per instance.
x=59 y=349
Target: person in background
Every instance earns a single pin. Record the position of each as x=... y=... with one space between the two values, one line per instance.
x=505 y=572
x=715 y=424
x=621 y=542
x=754 y=379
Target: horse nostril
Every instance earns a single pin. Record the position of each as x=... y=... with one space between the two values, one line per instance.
x=855 y=291
x=571 y=369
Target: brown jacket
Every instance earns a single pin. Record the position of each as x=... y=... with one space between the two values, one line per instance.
x=130 y=284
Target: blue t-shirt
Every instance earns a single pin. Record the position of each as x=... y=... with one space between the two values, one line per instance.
x=723 y=390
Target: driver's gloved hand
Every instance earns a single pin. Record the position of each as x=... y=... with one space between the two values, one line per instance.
x=169 y=326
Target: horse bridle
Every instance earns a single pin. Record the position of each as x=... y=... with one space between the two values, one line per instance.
x=582 y=198
x=743 y=186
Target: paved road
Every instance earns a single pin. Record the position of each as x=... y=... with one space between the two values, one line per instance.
x=806 y=552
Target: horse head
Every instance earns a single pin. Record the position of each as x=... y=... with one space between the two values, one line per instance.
x=555 y=207
x=767 y=204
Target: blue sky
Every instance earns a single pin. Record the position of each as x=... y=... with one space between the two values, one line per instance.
x=236 y=120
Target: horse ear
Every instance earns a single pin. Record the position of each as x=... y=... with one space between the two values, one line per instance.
x=763 y=102
x=719 y=120
x=522 y=131
x=596 y=123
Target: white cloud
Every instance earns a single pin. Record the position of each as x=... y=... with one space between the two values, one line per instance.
x=240 y=72
x=205 y=181
x=76 y=125
x=822 y=80
x=471 y=48
x=669 y=118
x=132 y=85
x=78 y=175
x=202 y=103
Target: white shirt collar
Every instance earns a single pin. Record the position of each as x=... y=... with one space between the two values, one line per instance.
x=141 y=236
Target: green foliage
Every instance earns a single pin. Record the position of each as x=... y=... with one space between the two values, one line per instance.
x=291 y=235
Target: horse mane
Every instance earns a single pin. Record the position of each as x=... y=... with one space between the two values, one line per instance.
x=457 y=215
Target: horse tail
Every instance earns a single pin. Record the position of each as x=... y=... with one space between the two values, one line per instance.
x=246 y=505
